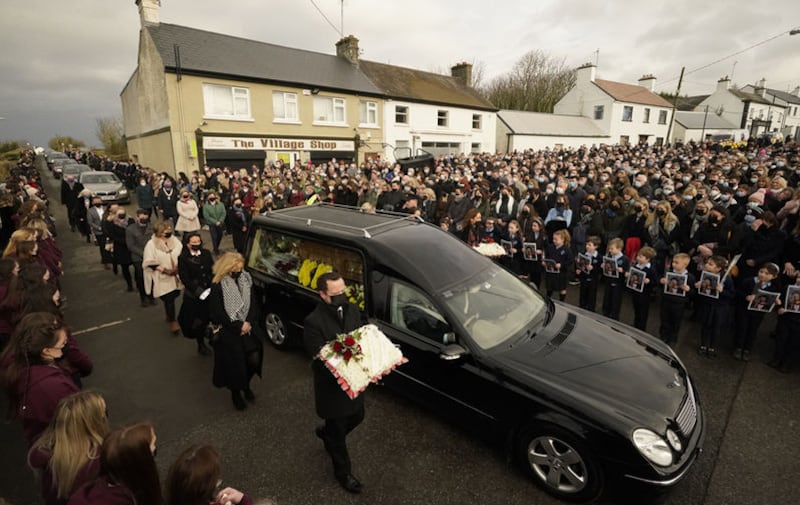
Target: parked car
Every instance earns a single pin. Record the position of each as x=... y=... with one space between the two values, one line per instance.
x=106 y=185
x=59 y=164
x=52 y=156
x=582 y=400
x=75 y=169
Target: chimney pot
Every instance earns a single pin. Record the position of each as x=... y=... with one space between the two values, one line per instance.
x=347 y=48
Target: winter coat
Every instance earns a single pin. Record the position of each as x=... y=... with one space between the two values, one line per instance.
x=321 y=326
x=102 y=492
x=188 y=219
x=165 y=254
x=39 y=390
x=214 y=213
x=144 y=196
x=39 y=460
x=136 y=237
x=116 y=234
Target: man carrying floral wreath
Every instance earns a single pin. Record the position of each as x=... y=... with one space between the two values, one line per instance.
x=335 y=315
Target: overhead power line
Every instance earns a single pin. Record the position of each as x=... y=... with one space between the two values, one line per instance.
x=326 y=19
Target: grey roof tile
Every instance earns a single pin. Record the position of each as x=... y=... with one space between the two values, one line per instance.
x=694 y=120
x=541 y=123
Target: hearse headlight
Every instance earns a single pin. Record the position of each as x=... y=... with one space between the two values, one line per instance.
x=674 y=440
x=652 y=447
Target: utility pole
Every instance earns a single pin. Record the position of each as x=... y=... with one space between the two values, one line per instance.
x=675 y=104
x=703 y=133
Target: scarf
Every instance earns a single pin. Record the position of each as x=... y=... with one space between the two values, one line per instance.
x=236 y=296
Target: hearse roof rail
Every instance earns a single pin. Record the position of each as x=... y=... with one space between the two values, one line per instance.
x=366 y=231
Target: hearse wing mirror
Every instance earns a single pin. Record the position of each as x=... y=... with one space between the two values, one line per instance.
x=449 y=338
x=452 y=352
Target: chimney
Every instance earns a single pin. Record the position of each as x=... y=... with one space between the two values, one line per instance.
x=760 y=88
x=148 y=11
x=648 y=81
x=462 y=72
x=723 y=84
x=796 y=91
x=347 y=48
x=586 y=73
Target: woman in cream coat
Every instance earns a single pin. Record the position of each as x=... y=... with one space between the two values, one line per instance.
x=160 y=265
x=188 y=212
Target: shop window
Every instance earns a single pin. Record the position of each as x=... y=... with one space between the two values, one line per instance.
x=401 y=114
x=302 y=262
x=627 y=113
x=330 y=110
x=284 y=106
x=368 y=113
x=226 y=102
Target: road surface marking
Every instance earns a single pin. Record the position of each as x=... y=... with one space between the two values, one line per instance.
x=100 y=327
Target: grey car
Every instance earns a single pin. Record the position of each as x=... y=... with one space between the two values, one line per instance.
x=106 y=185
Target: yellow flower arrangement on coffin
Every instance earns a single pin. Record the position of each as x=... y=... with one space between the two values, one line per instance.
x=321 y=269
x=304 y=273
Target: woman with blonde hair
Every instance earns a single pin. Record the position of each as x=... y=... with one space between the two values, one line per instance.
x=635 y=229
x=49 y=253
x=663 y=232
x=232 y=309
x=20 y=235
x=160 y=266
x=67 y=454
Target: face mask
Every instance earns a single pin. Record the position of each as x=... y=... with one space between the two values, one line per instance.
x=142 y=183
x=168 y=234
x=741 y=194
x=167 y=186
x=120 y=216
x=235 y=275
x=749 y=218
x=212 y=200
x=339 y=300
x=661 y=212
x=713 y=194
x=96 y=204
x=637 y=184
x=688 y=198
x=686 y=179
x=701 y=213
x=637 y=208
x=713 y=219
x=752 y=205
x=144 y=221
x=560 y=191
x=237 y=206
x=196 y=247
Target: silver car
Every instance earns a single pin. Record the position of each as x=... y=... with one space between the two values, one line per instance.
x=106 y=185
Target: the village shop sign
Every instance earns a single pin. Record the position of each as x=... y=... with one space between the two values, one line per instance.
x=274 y=144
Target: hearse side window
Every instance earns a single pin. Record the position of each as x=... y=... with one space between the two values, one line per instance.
x=301 y=261
x=411 y=309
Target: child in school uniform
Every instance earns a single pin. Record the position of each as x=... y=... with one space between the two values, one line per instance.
x=787 y=329
x=717 y=310
x=590 y=276
x=641 y=299
x=560 y=252
x=612 y=297
x=673 y=299
x=536 y=235
x=749 y=320
x=513 y=235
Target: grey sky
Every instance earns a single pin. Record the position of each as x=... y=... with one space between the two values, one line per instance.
x=65 y=63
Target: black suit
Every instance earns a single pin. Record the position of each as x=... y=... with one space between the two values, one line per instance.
x=341 y=414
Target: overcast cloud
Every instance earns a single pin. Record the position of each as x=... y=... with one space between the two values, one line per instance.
x=65 y=63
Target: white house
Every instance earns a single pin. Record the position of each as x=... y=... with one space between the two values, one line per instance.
x=750 y=111
x=790 y=125
x=699 y=126
x=519 y=130
x=436 y=113
x=627 y=113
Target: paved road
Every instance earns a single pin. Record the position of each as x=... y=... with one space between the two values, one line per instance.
x=402 y=453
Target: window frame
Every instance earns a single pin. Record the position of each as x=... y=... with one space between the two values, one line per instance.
x=627 y=109
x=601 y=109
x=209 y=104
x=662 y=117
x=646 y=118
x=406 y=113
x=337 y=103
x=365 y=107
x=396 y=288
x=286 y=100
x=442 y=114
x=479 y=119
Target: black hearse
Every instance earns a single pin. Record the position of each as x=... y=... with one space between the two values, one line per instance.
x=584 y=400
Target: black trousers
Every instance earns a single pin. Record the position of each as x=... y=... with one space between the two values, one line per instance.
x=588 y=297
x=671 y=315
x=641 y=309
x=714 y=318
x=787 y=335
x=612 y=299
x=169 y=304
x=747 y=328
x=335 y=432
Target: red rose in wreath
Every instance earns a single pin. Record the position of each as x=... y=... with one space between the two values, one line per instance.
x=349 y=341
x=347 y=355
x=337 y=346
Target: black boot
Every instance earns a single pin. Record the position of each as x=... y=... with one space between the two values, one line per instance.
x=249 y=395
x=238 y=401
x=202 y=348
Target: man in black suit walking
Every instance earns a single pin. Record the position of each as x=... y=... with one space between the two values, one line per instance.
x=341 y=414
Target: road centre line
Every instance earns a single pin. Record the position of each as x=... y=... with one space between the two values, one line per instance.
x=102 y=326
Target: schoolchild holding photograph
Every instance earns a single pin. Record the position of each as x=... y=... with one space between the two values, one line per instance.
x=589 y=276
x=717 y=310
x=612 y=299
x=748 y=319
x=514 y=261
x=536 y=235
x=641 y=296
x=673 y=301
x=560 y=252
x=787 y=329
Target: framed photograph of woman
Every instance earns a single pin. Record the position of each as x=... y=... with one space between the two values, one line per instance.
x=763 y=301
x=635 y=280
x=550 y=266
x=529 y=251
x=610 y=267
x=792 y=299
x=582 y=262
x=506 y=244
x=674 y=284
x=708 y=284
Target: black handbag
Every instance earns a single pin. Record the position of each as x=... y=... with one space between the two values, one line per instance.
x=213 y=333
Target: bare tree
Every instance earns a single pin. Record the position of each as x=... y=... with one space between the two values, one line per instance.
x=536 y=83
x=111 y=134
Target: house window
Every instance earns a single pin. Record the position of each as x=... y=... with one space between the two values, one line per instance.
x=659 y=141
x=750 y=114
x=401 y=114
x=284 y=106
x=475 y=148
x=226 y=102
x=598 y=111
x=328 y=109
x=368 y=113
x=441 y=118
x=627 y=113
x=624 y=140
x=662 y=117
x=476 y=121
x=646 y=115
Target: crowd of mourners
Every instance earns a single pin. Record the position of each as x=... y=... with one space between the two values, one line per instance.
x=78 y=456
x=711 y=230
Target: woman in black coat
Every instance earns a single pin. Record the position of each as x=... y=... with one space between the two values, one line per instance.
x=194 y=269
x=238 y=352
x=114 y=228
